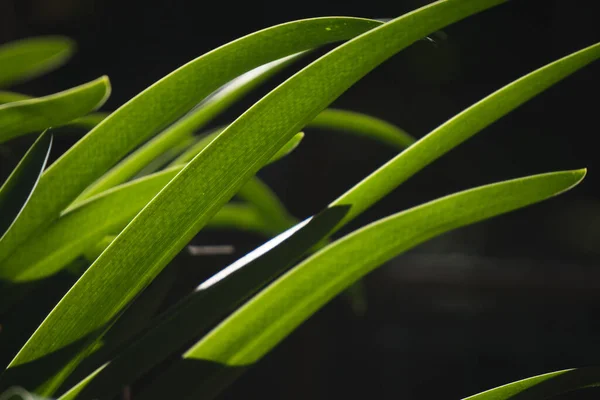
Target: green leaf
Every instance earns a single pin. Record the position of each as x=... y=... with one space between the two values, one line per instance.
x=257 y=193
x=87 y=222
x=260 y=324
x=543 y=387
x=17 y=188
x=364 y=125
x=86 y=122
x=25 y=59
x=458 y=129
x=161 y=104
x=211 y=301
x=188 y=202
x=26 y=116
x=183 y=129
x=9 y=97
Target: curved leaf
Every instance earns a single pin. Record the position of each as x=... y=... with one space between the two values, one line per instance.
x=86 y=122
x=28 y=58
x=259 y=325
x=168 y=99
x=202 y=309
x=543 y=387
x=26 y=116
x=188 y=202
x=196 y=119
x=17 y=188
x=458 y=129
x=362 y=124
x=88 y=222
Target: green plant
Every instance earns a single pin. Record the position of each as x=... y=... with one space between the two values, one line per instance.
x=139 y=185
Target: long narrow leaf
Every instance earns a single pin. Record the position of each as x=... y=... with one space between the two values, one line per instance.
x=543 y=387
x=26 y=116
x=469 y=122
x=200 y=310
x=28 y=58
x=188 y=202
x=86 y=122
x=184 y=128
x=254 y=329
x=458 y=129
x=85 y=224
x=17 y=188
x=168 y=99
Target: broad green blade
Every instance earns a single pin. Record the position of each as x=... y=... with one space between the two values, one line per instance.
x=458 y=129
x=17 y=189
x=543 y=387
x=160 y=105
x=26 y=116
x=364 y=125
x=28 y=58
x=183 y=129
x=86 y=223
x=188 y=202
x=260 y=324
x=212 y=300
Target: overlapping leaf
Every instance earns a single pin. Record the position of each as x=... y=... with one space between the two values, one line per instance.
x=161 y=104
x=255 y=328
x=186 y=204
x=37 y=114
x=457 y=130
x=17 y=188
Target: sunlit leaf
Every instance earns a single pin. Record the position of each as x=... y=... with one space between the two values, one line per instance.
x=197 y=118
x=37 y=114
x=188 y=202
x=260 y=324
x=160 y=105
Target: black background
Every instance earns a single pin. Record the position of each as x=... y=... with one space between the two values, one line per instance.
x=476 y=308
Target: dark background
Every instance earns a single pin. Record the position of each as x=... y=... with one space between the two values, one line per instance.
x=488 y=304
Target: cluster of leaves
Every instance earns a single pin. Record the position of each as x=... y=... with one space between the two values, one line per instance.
x=141 y=183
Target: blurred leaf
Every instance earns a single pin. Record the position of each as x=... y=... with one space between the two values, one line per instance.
x=543 y=387
x=161 y=104
x=25 y=59
x=257 y=193
x=184 y=128
x=188 y=202
x=26 y=116
x=9 y=97
x=364 y=125
x=17 y=188
x=261 y=323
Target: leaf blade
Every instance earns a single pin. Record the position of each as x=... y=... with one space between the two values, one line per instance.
x=255 y=328
x=26 y=116
x=288 y=108
x=25 y=59
x=169 y=98
x=18 y=187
